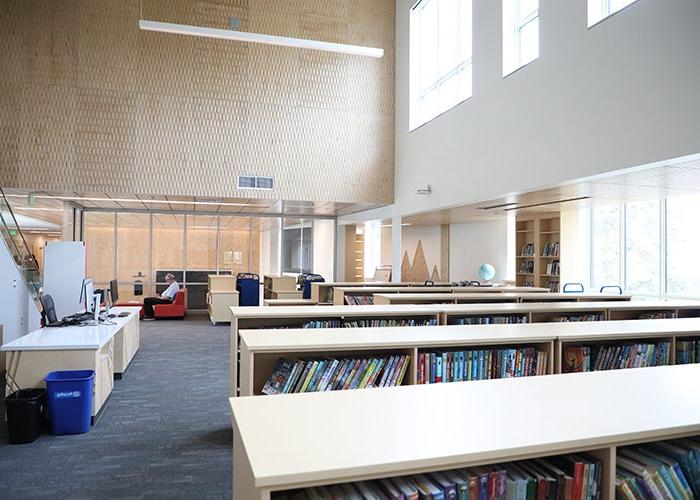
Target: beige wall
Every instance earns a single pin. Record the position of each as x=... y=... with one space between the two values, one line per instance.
x=90 y=103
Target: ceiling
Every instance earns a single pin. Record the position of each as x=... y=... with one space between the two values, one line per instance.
x=670 y=179
x=48 y=207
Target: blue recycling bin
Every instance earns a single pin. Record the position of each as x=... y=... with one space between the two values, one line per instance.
x=306 y=284
x=248 y=287
x=70 y=395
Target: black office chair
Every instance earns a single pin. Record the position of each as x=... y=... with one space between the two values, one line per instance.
x=49 y=312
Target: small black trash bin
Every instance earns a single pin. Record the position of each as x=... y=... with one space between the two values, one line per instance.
x=25 y=413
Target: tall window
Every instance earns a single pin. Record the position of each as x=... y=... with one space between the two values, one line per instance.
x=600 y=9
x=297 y=241
x=440 y=57
x=643 y=247
x=682 y=243
x=521 y=33
x=606 y=253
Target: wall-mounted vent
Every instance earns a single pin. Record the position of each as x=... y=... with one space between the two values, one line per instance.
x=252 y=182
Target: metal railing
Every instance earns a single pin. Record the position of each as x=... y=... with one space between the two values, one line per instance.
x=22 y=254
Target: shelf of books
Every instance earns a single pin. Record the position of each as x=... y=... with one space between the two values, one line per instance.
x=322 y=293
x=465 y=440
x=334 y=359
x=312 y=317
x=365 y=295
x=457 y=297
x=538 y=243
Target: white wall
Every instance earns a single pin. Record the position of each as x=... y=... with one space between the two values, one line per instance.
x=476 y=243
x=324 y=246
x=575 y=247
x=19 y=314
x=621 y=94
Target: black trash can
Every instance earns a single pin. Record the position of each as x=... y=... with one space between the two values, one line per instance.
x=25 y=414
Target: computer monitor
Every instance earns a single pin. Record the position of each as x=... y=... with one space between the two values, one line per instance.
x=114 y=292
x=86 y=295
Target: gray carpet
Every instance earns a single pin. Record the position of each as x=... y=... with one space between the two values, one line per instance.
x=165 y=432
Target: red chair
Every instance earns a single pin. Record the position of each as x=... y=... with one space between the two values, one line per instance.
x=177 y=309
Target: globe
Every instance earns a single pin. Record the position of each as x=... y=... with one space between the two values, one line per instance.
x=487 y=272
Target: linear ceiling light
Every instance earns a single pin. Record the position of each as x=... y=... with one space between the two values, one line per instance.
x=567 y=200
x=242 y=36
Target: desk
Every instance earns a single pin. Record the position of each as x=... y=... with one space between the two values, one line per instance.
x=106 y=349
x=294 y=440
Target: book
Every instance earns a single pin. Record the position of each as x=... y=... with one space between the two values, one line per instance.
x=281 y=373
x=615 y=356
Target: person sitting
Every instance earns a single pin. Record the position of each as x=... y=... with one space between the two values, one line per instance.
x=166 y=297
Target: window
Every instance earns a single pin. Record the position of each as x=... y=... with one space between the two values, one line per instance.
x=521 y=33
x=606 y=253
x=600 y=9
x=643 y=247
x=297 y=241
x=682 y=243
x=440 y=57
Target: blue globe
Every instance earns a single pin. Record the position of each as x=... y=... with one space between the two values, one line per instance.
x=487 y=272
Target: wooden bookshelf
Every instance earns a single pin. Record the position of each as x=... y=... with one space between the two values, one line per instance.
x=458 y=297
x=247 y=318
x=322 y=292
x=261 y=349
x=541 y=231
x=280 y=287
x=374 y=423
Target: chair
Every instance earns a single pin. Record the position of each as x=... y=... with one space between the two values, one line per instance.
x=176 y=309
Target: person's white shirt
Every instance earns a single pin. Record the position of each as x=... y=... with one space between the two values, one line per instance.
x=170 y=292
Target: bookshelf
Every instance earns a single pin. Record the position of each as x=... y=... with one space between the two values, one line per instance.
x=538 y=248
x=458 y=297
x=354 y=253
x=289 y=302
x=383 y=443
x=255 y=318
x=280 y=287
x=322 y=292
x=260 y=350
x=340 y=293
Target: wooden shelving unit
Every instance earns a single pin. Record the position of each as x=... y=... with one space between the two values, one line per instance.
x=322 y=292
x=460 y=425
x=280 y=287
x=221 y=296
x=542 y=233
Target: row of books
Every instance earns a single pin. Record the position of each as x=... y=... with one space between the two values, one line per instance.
x=615 y=356
x=334 y=374
x=528 y=283
x=550 y=249
x=667 y=469
x=553 y=268
x=565 y=477
x=599 y=316
x=490 y=320
x=366 y=323
x=687 y=351
x=528 y=250
x=527 y=266
x=359 y=300
x=458 y=366
x=553 y=286
x=658 y=315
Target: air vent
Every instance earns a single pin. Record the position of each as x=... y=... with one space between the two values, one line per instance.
x=252 y=182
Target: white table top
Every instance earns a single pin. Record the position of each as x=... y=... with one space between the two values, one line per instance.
x=415 y=290
x=72 y=337
x=458 y=294
x=564 y=307
x=454 y=335
x=391 y=430
x=319 y=312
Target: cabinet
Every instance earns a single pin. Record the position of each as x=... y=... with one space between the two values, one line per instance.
x=221 y=295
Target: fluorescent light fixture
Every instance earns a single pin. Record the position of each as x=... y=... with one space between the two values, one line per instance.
x=242 y=36
x=137 y=200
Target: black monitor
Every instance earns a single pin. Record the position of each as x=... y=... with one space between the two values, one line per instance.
x=114 y=292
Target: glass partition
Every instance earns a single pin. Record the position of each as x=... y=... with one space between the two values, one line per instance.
x=133 y=256
x=201 y=257
x=168 y=248
x=98 y=235
x=235 y=241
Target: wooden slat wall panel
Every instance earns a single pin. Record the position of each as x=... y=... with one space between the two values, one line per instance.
x=90 y=103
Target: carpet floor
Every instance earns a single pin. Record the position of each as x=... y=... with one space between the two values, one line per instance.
x=165 y=432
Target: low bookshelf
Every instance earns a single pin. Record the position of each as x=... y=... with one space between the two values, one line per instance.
x=458 y=297
x=364 y=295
x=322 y=292
x=262 y=350
x=311 y=317
x=460 y=425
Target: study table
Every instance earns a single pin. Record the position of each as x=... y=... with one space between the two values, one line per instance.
x=107 y=348
x=297 y=440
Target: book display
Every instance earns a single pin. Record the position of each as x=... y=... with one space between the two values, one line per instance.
x=575 y=477
x=687 y=351
x=334 y=374
x=615 y=356
x=460 y=366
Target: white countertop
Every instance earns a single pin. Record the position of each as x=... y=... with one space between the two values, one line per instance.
x=320 y=312
x=274 y=340
x=388 y=431
x=71 y=337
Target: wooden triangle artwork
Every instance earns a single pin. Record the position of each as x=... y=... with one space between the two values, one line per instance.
x=417 y=270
